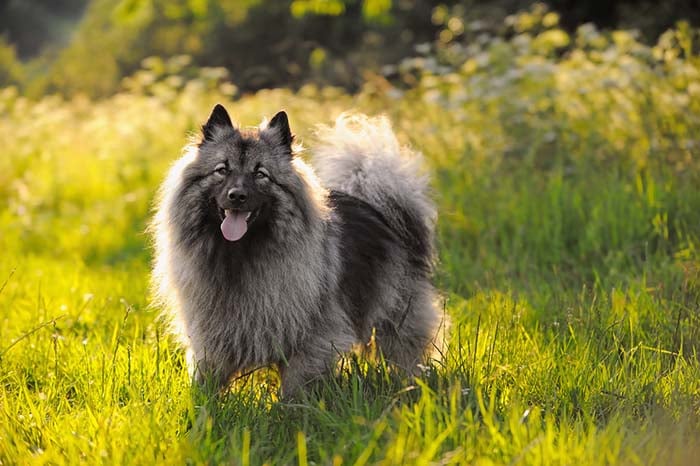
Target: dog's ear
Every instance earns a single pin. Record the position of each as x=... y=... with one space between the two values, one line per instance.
x=218 y=120
x=278 y=129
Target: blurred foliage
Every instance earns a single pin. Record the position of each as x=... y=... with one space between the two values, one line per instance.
x=11 y=71
x=33 y=25
x=547 y=85
x=264 y=43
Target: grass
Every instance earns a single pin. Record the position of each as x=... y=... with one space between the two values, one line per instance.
x=569 y=265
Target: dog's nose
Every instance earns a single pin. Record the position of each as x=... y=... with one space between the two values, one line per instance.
x=237 y=195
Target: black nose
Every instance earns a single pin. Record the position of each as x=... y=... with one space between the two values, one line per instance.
x=237 y=195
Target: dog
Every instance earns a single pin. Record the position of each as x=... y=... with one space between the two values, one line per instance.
x=262 y=260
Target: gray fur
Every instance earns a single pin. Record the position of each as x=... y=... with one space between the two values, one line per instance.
x=282 y=294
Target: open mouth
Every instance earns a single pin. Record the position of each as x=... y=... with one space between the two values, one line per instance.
x=234 y=223
x=250 y=216
x=223 y=213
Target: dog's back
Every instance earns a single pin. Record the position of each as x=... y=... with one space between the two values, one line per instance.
x=380 y=195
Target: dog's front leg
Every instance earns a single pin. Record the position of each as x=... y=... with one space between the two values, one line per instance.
x=207 y=375
x=315 y=359
x=300 y=370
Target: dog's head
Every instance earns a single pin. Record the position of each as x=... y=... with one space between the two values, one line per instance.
x=245 y=176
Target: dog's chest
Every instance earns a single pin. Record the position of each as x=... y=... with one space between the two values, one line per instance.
x=261 y=313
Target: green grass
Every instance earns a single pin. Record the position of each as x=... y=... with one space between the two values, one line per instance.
x=569 y=263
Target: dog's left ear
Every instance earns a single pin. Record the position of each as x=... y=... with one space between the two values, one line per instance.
x=217 y=121
x=278 y=130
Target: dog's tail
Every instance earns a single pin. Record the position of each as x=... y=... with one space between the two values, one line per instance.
x=361 y=156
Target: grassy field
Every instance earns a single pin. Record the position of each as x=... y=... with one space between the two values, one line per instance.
x=569 y=262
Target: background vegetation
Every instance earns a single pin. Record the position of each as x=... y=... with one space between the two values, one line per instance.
x=566 y=172
x=88 y=46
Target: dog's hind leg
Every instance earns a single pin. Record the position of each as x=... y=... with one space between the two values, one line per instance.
x=408 y=340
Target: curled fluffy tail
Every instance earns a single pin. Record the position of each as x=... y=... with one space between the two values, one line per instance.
x=361 y=156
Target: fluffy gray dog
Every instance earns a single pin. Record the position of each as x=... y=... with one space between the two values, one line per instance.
x=262 y=261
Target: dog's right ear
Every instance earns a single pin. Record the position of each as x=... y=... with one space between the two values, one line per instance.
x=217 y=121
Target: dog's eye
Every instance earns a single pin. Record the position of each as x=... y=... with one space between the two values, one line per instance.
x=261 y=173
x=221 y=169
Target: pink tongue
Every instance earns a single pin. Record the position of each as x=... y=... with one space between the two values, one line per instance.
x=234 y=225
